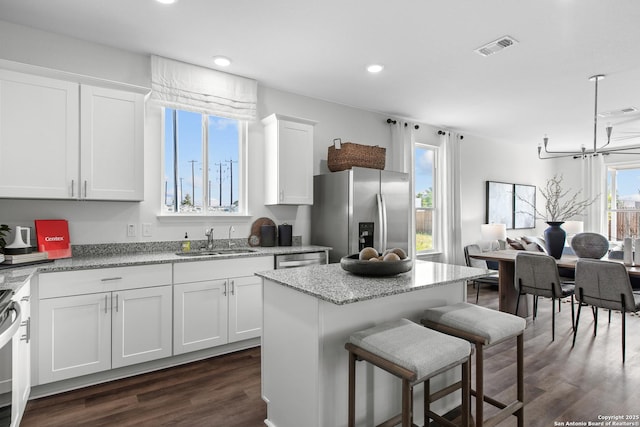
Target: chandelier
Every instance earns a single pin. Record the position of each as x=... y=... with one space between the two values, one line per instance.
x=544 y=153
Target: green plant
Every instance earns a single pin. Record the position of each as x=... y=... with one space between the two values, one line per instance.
x=4 y=230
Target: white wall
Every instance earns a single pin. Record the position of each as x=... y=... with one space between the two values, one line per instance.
x=105 y=222
x=483 y=160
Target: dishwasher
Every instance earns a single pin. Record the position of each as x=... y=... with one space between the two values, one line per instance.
x=300 y=259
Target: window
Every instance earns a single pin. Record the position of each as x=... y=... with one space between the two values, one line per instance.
x=203 y=166
x=425 y=197
x=623 y=201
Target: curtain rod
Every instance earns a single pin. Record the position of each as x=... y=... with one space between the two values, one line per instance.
x=393 y=122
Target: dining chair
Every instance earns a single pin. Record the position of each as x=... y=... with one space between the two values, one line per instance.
x=604 y=284
x=537 y=274
x=479 y=263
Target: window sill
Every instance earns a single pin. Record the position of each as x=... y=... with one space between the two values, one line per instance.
x=207 y=218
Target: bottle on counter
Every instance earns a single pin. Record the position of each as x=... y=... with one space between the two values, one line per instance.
x=186 y=245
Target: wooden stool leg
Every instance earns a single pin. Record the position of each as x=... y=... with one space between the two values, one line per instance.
x=479 y=385
x=406 y=403
x=466 y=393
x=352 y=389
x=427 y=401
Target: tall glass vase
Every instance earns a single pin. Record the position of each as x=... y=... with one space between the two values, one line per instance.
x=554 y=238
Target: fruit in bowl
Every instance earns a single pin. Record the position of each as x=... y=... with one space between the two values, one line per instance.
x=370 y=262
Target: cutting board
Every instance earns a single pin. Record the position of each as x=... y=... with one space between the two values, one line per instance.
x=254 y=236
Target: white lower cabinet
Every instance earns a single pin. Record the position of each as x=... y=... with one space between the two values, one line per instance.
x=84 y=334
x=215 y=306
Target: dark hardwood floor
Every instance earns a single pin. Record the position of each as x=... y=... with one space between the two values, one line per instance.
x=562 y=385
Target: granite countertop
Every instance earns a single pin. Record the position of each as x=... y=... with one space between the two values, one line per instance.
x=333 y=284
x=14 y=278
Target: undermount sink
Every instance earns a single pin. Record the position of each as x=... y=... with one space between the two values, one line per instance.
x=216 y=252
x=234 y=251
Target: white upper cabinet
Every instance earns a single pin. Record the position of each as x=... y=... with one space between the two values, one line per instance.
x=63 y=140
x=112 y=144
x=288 y=160
x=39 y=137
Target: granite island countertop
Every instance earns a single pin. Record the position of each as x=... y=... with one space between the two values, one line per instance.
x=333 y=284
x=13 y=278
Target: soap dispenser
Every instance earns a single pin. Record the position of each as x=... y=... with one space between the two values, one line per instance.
x=186 y=245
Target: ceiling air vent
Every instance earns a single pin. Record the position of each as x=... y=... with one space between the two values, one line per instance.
x=496 y=46
x=620 y=112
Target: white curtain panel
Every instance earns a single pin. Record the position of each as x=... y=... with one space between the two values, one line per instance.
x=402 y=158
x=448 y=229
x=190 y=87
x=594 y=185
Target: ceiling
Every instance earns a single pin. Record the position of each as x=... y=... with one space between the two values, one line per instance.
x=320 y=48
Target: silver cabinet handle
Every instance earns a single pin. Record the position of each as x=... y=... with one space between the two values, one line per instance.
x=225 y=289
x=110 y=279
x=85 y=188
x=233 y=287
x=27 y=336
x=73 y=187
x=105 y=303
x=117 y=303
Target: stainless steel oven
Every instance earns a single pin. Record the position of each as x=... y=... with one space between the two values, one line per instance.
x=15 y=331
x=10 y=319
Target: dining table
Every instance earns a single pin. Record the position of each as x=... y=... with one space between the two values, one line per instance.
x=507 y=293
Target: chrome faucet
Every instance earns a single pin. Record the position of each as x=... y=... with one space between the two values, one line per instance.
x=209 y=234
x=231 y=230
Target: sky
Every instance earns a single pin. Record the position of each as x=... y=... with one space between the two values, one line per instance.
x=222 y=162
x=424 y=169
x=628 y=182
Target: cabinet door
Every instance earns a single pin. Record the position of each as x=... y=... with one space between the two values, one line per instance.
x=75 y=336
x=141 y=325
x=245 y=308
x=39 y=139
x=295 y=163
x=200 y=315
x=112 y=144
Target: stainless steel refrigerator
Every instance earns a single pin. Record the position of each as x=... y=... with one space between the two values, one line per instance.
x=360 y=207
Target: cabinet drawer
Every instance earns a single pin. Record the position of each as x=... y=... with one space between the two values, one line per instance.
x=198 y=271
x=66 y=283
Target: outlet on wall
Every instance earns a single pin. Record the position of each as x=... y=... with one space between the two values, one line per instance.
x=146 y=229
x=131 y=230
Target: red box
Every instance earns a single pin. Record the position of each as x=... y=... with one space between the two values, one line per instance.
x=53 y=237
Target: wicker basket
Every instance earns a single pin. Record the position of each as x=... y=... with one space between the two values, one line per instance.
x=351 y=154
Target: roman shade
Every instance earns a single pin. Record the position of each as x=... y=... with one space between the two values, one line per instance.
x=190 y=87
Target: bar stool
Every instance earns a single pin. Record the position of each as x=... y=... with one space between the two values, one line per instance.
x=484 y=327
x=414 y=354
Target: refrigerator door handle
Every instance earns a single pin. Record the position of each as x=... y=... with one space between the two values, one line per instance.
x=382 y=221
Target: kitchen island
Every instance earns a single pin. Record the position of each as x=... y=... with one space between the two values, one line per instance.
x=308 y=315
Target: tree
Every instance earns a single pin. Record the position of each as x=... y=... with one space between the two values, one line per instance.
x=187 y=200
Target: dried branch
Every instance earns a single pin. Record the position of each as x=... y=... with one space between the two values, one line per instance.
x=559 y=205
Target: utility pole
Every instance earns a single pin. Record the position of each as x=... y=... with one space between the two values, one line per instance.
x=219 y=183
x=231 y=162
x=193 y=184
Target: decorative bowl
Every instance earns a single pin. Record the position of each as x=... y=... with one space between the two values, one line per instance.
x=352 y=264
x=589 y=245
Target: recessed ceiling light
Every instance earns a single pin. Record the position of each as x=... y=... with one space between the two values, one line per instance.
x=375 y=68
x=222 y=61
x=167 y=1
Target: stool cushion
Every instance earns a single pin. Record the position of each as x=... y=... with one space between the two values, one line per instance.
x=492 y=325
x=412 y=346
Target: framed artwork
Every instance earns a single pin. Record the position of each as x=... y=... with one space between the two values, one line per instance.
x=500 y=203
x=505 y=205
x=524 y=214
